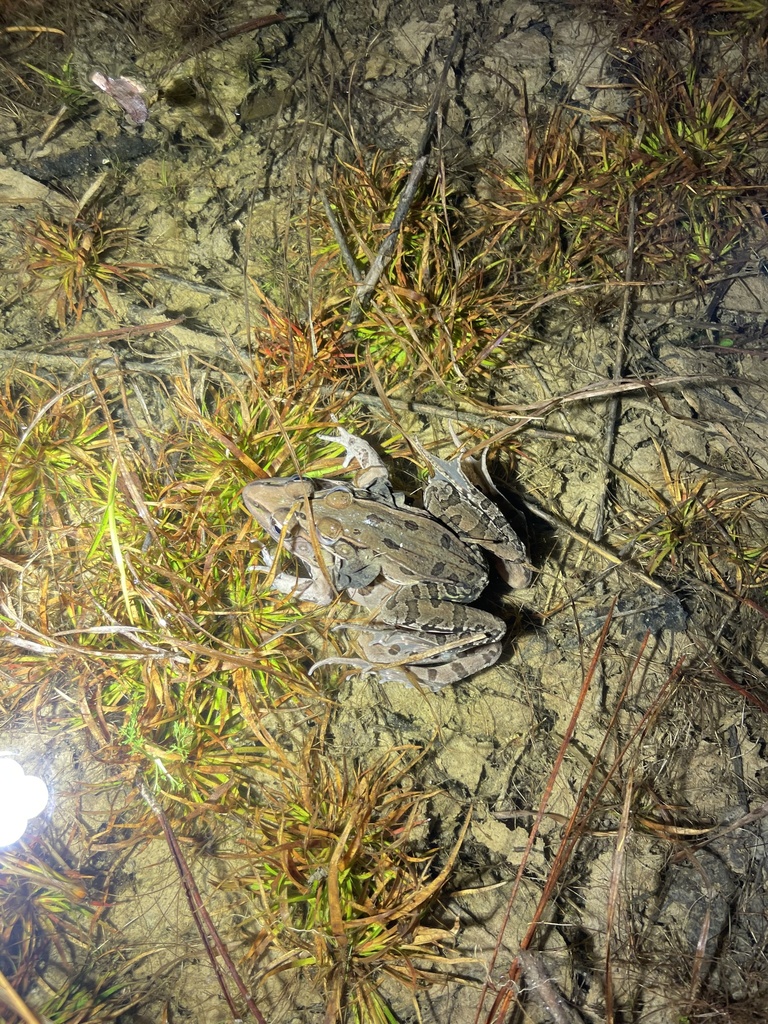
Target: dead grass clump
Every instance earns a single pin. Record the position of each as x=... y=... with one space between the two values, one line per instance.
x=444 y=296
x=51 y=915
x=644 y=25
x=71 y=264
x=335 y=883
x=706 y=527
x=685 y=160
x=167 y=641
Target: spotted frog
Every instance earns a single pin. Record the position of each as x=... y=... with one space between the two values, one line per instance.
x=416 y=570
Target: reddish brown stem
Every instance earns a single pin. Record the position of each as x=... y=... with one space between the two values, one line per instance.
x=205 y=926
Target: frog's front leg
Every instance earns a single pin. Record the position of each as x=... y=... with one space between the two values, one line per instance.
x=316 y=588
x=277 y=505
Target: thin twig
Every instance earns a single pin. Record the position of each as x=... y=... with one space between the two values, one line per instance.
x=546 y=993
x=577 y=822
x=504 y=995
x=216 y=38
x=364 y=291
x=742 y=822
x=205 y=926
x=501 y=415
x=118 y=333
x=604 y=552
x=612 y=901
x=16 y=1004
x=612 y=412
x=349 y=260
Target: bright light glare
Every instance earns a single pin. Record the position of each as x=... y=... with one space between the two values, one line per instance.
x=21 y=798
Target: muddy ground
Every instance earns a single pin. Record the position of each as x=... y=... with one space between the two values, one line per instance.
x=214 y=182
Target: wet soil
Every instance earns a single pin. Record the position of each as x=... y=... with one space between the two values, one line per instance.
x=212 y=187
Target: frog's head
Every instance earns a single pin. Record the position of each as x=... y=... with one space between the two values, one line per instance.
x=271 y=501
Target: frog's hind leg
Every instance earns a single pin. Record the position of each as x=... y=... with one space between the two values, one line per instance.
x=434 y=663
x=451 y=497
x=382 y=649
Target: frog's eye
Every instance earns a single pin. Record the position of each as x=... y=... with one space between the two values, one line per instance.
x=329 y=529
x=338 y=498
x=296 y=488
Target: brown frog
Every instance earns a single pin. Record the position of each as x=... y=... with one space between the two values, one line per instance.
x=416 y=570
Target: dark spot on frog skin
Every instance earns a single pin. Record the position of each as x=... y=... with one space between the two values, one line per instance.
x=391 y=544
x=438 y=569
x=406 y=524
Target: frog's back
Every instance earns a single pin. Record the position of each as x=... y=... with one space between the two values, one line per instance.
x=424 y=550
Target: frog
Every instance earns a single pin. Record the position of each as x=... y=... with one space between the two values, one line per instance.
x=415 y=570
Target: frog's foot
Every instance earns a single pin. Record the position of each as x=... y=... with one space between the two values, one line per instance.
x=355 y=448
x=511 y=561
x=478 y=468
x=315 y=588
x=383 y=673
x=373 y=473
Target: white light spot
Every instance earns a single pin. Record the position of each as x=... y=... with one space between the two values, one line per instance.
x=21 y=797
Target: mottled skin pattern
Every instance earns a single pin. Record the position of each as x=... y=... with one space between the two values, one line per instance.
x=415 y=570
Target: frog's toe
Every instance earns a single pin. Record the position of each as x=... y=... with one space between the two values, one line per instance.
x=383 y=673
x=355 y=448
x=512 y=565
